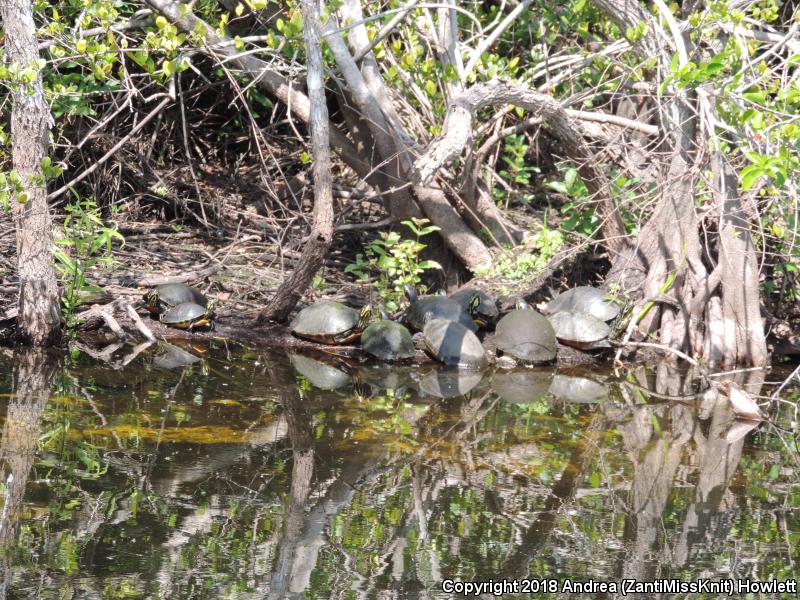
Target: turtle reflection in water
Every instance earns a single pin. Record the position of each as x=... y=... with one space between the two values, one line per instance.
x=576 y=388
x=170 y=356
x=449 y=382
x=321 y=375
x=522 y=386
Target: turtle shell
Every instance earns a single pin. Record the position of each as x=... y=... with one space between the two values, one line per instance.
x=580 y=330
x=388 y=341
x=327 y=322
x=585 y=299
x=452 y=344
x=487 y=312
x=187 y=315
x=526 y=335
x=426 y=308
x=171 y=294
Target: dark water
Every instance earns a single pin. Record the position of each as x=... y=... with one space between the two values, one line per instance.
x=222 y=472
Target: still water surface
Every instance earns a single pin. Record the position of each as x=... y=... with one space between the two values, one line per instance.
x=225 y=472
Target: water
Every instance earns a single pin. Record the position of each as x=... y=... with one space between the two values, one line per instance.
x=225 y=472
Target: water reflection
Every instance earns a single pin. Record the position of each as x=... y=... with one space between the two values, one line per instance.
x=194 y=472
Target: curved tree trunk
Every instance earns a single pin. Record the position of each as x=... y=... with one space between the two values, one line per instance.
x=39 y=303
x=319 y=240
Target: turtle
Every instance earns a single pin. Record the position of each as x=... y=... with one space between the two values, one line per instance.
x=168 y=295
x=388 y=341
x=453 y=344
x=188 y=315
x=526 y=335
x=486 y=313
x=331 y=322
x=585 y=299
x=580 y=330
x=423 y=308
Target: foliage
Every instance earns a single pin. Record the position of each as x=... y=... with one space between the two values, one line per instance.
x=391 y=262
x=513 y=265
x=87 y=243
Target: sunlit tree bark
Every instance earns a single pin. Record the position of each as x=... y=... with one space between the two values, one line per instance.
x=39 y=314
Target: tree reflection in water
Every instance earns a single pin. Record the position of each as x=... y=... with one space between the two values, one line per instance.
x=229 y=474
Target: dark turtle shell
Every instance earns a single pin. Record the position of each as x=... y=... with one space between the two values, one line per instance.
x=580 y=330
x=486 y=312
x=388 y=341
x=330 y=322
x=585 y=299
x=454 y=345
x=188 y=315
x=526 y=335
x=423 y=308
x=168 y=295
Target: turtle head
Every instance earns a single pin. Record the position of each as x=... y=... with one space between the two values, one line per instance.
x=151 y=300
x=366 y=315
x=411 y=293
x=210 y=308
x=521 y=304
x=384 y=314
x=473 y=305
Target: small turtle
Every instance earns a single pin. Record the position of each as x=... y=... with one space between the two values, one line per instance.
x=423 y=308
x=580 y=330
x=486 y=313
x=190 y=316
x=331 y=322
x=388 y=341
x=453 y=344
x=585 y=299
x=526 y=335
x=166 y=296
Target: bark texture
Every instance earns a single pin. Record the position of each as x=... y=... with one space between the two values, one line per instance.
x=319 y=240
x=39 y=303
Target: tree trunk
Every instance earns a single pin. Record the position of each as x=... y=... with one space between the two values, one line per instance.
x=319 y=240
x=39 y=302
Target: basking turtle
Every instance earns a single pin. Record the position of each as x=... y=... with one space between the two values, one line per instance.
x=331 y=322
x=486 y=313
x=585 y=299
x=526 y=335
x=166 y=296
x=580 y=330
x=452 y=344
x=388 y=341
x=188 y=315
x=423 y=308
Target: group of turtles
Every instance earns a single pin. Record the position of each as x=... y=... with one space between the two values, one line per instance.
x=446 y=327
x=180 y=306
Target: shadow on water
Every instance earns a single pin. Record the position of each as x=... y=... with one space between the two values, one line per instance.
x=214 y=471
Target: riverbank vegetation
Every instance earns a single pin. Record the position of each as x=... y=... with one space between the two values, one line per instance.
x=650 y=148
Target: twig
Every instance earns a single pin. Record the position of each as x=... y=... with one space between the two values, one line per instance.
x=144 y=329
x=676 y=352
x=157 y=110
x=385 y=30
